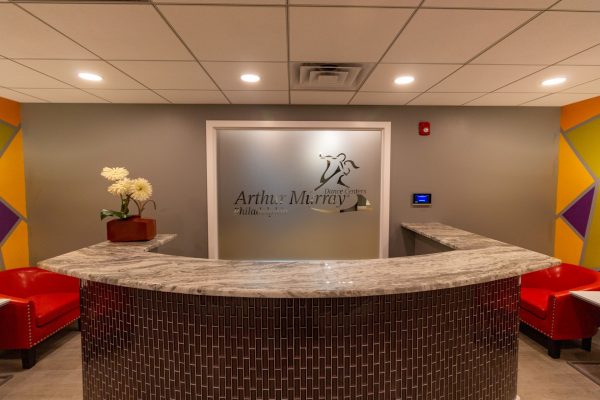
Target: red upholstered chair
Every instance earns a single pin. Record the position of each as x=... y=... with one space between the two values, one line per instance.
x=547 y=306
x=41 y=304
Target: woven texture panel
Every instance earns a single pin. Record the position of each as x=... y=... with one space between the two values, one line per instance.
x=455 y=344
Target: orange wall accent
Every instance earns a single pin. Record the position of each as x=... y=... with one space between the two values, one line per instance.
x=15 y=249
x=10 y=111
x=14 y=240
x=567 y=244
x=12 y=175
x=578 y=176
x=576 y=113
x=573 y=177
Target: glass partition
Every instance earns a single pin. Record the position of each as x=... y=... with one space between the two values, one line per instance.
x=298 y=194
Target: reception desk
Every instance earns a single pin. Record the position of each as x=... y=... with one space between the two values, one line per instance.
x=434 y=326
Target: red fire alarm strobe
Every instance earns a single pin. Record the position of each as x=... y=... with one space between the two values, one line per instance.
x=424 y=128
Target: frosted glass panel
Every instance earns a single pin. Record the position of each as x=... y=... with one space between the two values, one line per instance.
x=298 y=194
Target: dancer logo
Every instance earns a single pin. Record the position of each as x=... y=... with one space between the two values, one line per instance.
x=340 y=167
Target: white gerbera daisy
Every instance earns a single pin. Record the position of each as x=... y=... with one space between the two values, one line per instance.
x=140 y=189
x=114 y=174
x=120 y=188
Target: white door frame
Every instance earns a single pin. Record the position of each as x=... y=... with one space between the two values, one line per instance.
x=212 y=128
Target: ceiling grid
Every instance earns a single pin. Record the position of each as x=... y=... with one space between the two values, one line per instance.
x=460 y=52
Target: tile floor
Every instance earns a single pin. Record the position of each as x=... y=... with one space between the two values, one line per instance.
x=542 y=378
x=57 y=375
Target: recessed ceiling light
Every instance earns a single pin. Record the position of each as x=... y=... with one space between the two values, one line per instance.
x=250 y=78
x=554 y=81
x=88 y=76
x=404 y=80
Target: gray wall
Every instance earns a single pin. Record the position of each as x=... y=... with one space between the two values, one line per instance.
x=491 y=170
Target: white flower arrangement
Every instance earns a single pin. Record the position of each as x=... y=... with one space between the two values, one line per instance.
x=139 y=190
x=114 y=174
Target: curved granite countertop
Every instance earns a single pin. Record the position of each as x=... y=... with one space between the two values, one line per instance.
x=475 y=259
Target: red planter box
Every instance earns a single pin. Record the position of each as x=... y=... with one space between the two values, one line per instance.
x=132 y=229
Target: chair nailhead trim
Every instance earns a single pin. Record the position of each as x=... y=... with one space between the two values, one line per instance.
x=553 y=317
x=52 y=333
x=539 y=330
x=30 y=332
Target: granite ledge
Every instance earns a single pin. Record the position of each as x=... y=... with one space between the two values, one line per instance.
x=452 y=237
x=476 y=260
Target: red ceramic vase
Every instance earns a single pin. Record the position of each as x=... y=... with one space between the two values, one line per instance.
x=131 y=229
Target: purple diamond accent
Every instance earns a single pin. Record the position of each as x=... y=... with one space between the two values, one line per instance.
x=8 y=219
x=578 y=214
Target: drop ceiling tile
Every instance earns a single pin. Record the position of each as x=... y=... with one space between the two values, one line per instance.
x=558 y=100
x=547 y=39
x=504 y=99
x=193 y=96
x=167 y=74
x=63 y=95
x=484 y=78
x=452 y=36
x=592 y=87
x=19 y=97
x=426 y=75
x=332 y=34
x=274 y=76
x=67 y=70
x=578 y=5
x=114 y=31
x=588 y=57
x=371 y=3
x=13 y=75
x=31 y=38
x=379 y=98
x=575 y=75
x=512 y=4
x=238 y=2
x=128 y=96
x=230 y=33
x=320 y=97
x=443 y=99
x=258 y=97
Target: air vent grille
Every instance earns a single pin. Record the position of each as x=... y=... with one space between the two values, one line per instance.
x=328 y=76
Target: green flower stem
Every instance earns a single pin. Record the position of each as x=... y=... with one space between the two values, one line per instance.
x=141 y=205
x=125 y=205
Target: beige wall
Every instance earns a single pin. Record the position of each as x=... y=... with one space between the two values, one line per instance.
x=491 y=170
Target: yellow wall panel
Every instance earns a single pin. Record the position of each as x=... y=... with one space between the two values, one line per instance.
x=573 y=177
x=592 y=248
x=15 y=251
x=12 y=175
x=567 y=245
x=585 y=140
